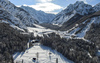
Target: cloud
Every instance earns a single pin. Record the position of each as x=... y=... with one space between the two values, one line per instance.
x=53 y=12
x=46 y=7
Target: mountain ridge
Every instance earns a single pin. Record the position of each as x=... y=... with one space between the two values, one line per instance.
x=77 y=8
x=18 y=13
x=41 y=16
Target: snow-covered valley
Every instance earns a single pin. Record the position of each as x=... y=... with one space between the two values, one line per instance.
x=39 y=30
x=73 y=34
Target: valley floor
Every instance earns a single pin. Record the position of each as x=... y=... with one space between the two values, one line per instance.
x=43 y=55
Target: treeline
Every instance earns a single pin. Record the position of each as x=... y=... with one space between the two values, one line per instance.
x=11 y=41
x=94 y=34
x=76 y=50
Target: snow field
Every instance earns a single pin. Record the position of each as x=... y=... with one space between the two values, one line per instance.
x=39 y=30
x=43 y=55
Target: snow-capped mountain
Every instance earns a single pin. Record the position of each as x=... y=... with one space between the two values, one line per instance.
x=41 y=16
x=78 y=8
x=79 y=26
x=18 y=13
x=97 y=7
x=6 y=17
x=9 y=18
x=77 y=19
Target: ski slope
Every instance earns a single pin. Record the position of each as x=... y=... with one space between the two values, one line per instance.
x=43 y=55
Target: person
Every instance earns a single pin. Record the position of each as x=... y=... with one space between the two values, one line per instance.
x=50 y=55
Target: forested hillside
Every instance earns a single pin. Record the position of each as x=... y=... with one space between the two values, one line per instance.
x=11 y=41
x=77 y=50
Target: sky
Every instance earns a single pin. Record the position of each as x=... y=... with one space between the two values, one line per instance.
x=50 y=6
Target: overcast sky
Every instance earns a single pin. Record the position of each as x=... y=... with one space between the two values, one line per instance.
x=50 y=6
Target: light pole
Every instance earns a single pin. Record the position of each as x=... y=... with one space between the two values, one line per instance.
x=56 y=60
x=37 y=55
x=22 y=60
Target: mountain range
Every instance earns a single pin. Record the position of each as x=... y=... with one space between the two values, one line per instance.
x=79 y=7
x=77 y=18
x=77 y=27
x=41 y=16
